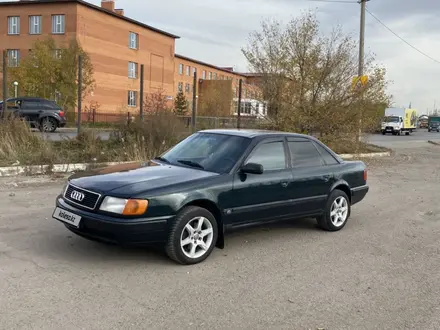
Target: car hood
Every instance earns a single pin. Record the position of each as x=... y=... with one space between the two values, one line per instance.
x=135 y=178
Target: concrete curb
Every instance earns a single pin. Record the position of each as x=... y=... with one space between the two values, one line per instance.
x=47 y=169
x=367 y=155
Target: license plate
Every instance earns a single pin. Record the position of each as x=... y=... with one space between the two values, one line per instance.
x=67 y=217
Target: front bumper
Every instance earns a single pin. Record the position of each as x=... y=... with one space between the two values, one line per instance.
x=139 y=231
x=358 y=194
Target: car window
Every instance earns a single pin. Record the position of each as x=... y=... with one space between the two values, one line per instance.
x=214 y=152
x=304 y=154
x=48 y=105
x=30 y=105
x=328 y=158
x=271 y=155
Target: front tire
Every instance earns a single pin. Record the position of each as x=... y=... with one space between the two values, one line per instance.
x=337 y=211
x=193 y=236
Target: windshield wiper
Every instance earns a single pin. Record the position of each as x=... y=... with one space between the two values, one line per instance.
x=190 y=163
x=163 y=159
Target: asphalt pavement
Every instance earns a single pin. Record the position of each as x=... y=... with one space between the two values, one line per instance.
x=380 y=272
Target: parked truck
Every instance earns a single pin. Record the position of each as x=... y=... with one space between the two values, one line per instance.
x=434 y=123
x=399 y=120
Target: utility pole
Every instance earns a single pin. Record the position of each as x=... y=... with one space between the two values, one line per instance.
x=194 y=103
x=361 y=58
x=362 y=38
x=5 y=83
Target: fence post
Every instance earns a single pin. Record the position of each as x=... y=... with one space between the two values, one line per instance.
x=194 y=103
x=240 y=89
x=5 y=83
x=141 y=96
x=94 y=115
x=128 y=118
x=79 y=93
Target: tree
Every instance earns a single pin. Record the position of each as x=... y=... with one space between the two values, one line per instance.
x=307 y=77
x=51 y=71
x=180 y=104
x=156 y=103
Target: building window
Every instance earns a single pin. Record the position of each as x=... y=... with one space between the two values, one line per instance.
x=58 y=24
x=180 y=69
x=133 y=40
x=132 y=70
x=57 y=53
x=204 y=74
x=187 y=87
x=13 y=57
x=188 y=70
x=209 y=75
x=215 y=76
x=132 y=98
x=14 y=25
x=180 y=87
x=34 y=24
x=194 y=71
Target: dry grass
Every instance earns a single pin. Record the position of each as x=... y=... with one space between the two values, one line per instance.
x=136 y=141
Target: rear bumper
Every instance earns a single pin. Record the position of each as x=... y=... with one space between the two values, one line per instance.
x=117 y=230
x=358 y=194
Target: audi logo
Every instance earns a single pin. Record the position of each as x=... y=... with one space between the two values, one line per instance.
x=78 y=196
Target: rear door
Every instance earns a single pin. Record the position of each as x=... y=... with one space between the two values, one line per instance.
x=31 y=110
x=260 y=197
x=313 y=175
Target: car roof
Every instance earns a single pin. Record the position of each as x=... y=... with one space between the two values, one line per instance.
x=28 y=98
x=253 y=133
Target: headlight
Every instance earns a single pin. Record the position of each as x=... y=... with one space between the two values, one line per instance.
x=124 y=206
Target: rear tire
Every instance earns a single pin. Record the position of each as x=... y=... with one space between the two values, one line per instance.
x=48 y=125
x=337 y=211
x=192 y=236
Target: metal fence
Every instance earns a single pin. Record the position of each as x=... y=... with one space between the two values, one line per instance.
x=107 y=120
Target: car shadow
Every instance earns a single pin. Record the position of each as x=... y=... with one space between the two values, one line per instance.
x=69 y=247
x=72 y=248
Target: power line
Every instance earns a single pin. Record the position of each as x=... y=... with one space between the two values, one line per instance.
x=406 y=42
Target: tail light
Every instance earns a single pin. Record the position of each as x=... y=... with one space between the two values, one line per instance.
x=61 y=113
x=365 y=175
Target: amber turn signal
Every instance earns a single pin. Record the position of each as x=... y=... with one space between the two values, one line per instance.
x=135 y=207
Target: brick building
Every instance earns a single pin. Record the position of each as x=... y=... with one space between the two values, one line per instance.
x=117 y=46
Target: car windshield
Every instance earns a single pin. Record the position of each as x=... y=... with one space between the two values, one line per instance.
x=211 y=152
x=391 y=119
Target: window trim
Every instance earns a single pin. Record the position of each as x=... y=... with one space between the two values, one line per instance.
x=17 y=25
x=135 y=71
x=31 y=26
x=55 y=24
x=253 y=148
x=134 y=98
x=17 y=51
x=136 y=40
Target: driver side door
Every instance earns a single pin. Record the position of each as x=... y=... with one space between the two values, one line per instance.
x=262 y=197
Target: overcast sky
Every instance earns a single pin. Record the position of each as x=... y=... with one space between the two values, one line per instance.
x=215 y=30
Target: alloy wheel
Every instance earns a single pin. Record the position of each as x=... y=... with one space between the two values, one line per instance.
x=339 y=211
x=197 y=237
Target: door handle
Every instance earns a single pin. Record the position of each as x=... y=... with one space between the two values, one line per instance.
x=284 y=184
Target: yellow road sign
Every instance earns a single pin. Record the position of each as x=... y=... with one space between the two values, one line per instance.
x=361 y=81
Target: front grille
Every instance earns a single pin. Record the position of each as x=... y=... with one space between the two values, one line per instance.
x=82 y=197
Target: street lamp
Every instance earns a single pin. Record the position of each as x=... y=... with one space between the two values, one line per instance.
x=16 y=88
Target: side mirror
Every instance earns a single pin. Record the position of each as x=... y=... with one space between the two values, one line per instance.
x=252 y=168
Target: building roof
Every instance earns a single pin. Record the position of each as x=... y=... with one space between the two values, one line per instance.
x=208 y=65
x=91 y=6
